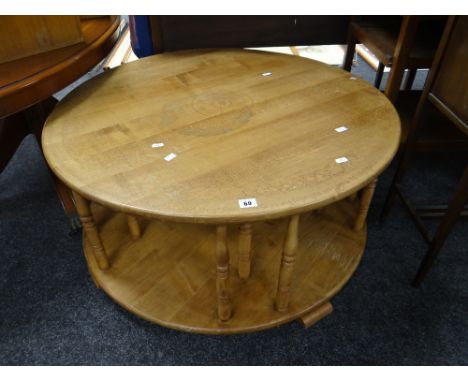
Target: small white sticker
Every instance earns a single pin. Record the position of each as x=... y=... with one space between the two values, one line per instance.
x=266 y=74
x=156 y=145
x=341 y=160
x=341 y=129
x=352 y=78
x=170 y=157
x=248 y=203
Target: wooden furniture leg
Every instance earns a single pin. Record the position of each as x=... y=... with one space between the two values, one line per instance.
x=222 y=274
x=287 y=264
x=456 y=206
x=366 y=198
x=91 y=231
x=403 y=164
x=350 y=49
x=133 y=227
x=245 y=249
x=312 y=317
x=410 y=78
x=403 y=47
x=379 y=75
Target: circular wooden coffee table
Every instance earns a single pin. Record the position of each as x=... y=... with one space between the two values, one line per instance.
x=223 y=191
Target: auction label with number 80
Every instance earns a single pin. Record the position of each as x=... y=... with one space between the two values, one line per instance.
x=247 y=203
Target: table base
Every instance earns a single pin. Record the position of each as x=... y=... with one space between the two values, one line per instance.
x=168 y=275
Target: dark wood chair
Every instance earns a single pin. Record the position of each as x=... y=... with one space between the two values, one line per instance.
x=446 y=91
x=407 y=42
x=171 y=33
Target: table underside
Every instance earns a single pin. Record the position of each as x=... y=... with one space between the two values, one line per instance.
x=168 y=275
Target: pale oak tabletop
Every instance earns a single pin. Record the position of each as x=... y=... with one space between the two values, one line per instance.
x=185 y=136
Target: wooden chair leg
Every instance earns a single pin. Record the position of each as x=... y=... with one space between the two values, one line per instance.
x=410 y=78
x=403 y=164
x=87 y=220
x=379 y=75
x=287 y=264
x=133 y=227
x=456 y=206
x=222 y=274
x=245 y=249
x=349 y=55
x=365 y=201
x=400 y=56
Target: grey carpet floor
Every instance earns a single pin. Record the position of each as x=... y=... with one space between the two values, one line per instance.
x=51 y=313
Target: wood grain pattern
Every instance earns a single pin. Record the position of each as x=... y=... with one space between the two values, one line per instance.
x=245 y=250
x=168 y=275
x=236 y=134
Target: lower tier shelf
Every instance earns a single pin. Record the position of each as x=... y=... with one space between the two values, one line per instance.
x=168 y=275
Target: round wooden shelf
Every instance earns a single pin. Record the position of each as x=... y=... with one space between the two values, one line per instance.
x=168 y=276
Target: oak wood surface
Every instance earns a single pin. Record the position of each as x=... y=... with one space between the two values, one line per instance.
x=236 y=134
x=169 y=275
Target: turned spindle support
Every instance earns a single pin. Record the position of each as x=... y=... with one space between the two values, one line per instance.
x=222 y=274
x=287 y=264
x=244 y=251
x=133 y=227
x=364 y=203
x=89 y=226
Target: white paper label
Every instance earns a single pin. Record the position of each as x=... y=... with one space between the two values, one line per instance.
x=170 y=157
x=341 y=160
x=248 y=203
x=266 y=74
x=352 y=78
x=341 y=129
x=156 y=145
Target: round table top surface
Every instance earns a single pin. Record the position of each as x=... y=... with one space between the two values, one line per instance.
x=221 y=136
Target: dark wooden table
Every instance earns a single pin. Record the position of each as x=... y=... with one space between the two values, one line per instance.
x=27 y=86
